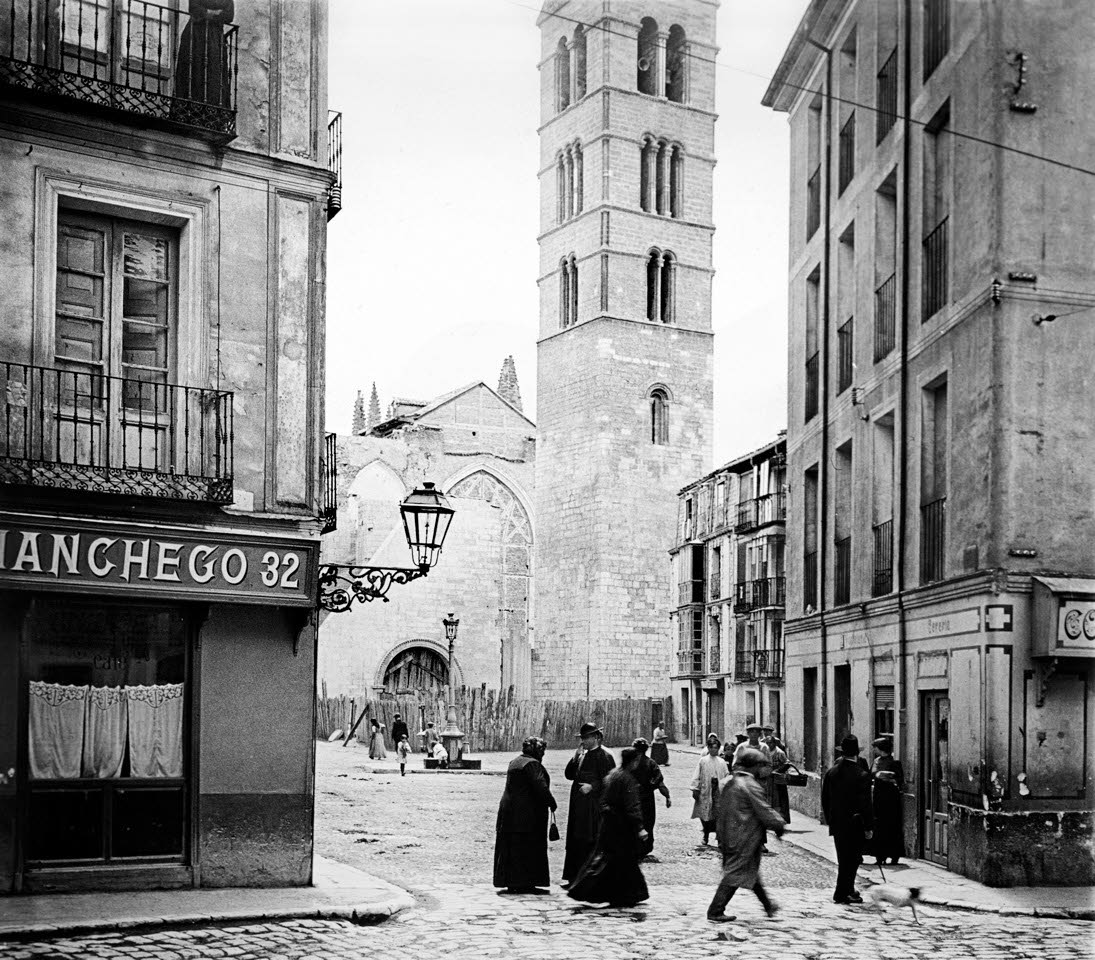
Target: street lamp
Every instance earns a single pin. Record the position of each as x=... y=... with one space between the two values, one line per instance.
x=426 y=517
x=451 y=622
x=452 y=736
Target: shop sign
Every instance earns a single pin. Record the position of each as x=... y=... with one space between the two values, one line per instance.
x=130 y=559
x=945 y=624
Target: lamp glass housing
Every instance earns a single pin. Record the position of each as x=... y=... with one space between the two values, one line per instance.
x=426 y=518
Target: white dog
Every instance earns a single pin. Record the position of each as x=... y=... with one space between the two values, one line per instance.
x=881 y=895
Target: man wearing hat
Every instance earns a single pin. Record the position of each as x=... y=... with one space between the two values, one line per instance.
x=587 y=769
x=846 y=805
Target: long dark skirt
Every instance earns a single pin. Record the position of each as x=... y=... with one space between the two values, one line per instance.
x=521 y=860
x=888 y=842
x=650 y=815
x=578 y=852
x=659 y=753
x=611 y=874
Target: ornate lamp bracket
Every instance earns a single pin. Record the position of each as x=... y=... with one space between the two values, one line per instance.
x=341 y=586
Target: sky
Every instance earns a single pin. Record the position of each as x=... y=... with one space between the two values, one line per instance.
x=432 y=262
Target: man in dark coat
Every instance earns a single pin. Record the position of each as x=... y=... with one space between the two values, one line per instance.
x=846 y=804
x=520 y=846
x=399 y=729
x=649 y=778
x=587 y=769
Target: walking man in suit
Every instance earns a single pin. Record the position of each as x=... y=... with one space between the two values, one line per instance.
x=587 y=770
x=846 y=804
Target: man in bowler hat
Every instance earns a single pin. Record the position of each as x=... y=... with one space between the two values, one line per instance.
x=587 y=770
x=846 y=804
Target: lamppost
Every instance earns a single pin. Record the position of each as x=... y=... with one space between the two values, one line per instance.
x=452 y=736
x=426 y=518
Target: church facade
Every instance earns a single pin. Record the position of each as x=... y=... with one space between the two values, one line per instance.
x=624 y=356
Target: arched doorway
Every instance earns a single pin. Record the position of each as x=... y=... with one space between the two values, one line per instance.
x=416 y=669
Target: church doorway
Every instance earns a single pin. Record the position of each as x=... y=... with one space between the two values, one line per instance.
x=416 y=670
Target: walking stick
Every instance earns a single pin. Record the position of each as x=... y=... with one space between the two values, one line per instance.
x=883 y=872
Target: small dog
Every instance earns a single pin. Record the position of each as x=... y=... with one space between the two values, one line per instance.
x=880 y=895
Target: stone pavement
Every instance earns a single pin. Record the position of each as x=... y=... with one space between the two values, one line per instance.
x=338 y=891
x=462 y=922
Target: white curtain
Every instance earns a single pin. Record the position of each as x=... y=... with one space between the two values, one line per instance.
x=56 y=729
x=105 y=732
x=155 y=730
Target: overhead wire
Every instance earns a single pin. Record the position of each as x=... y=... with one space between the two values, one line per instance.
x=984 y=141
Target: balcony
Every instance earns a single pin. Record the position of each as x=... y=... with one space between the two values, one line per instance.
x=886 y=98
x=747 y=516
x=334 y=163
x=73 y=430
x=690 y=663
x=768 y=665
x=842 y=571
x=745 y=665
x=885 y=317
x=934 y=269
x=328 y=508
x=131 y=57
x=756 y=594
x=771 y=508
x=933 y=523
x=882 y=564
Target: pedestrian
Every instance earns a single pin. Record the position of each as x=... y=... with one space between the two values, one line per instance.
x=649 y=778
x=611 y=874
x=400 y=729
x=377 y=750
x=440 y=754
x=846 y=804
x=710 y=771
x=520 y=833
x=887 y=788
x=428 y=736
x=753 y=742
x=744 y=817
x=659 y=749
x=403 y=749
x=780 y=800
x=587 y=770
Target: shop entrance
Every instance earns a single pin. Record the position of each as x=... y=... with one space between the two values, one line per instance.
x=715 y=713
x=106 y=760
x=935 y=709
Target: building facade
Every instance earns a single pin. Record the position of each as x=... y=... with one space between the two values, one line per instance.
x=728 y=582
x=939 y=560
x=479 y=448
x=161 y=376
x=624 y=397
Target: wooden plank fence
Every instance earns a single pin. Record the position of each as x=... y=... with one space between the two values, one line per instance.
x=496 y=721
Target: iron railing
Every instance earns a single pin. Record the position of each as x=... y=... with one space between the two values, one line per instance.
x=882 y=562
x=328 y=507
x=764 y=592
x=745 y=665
x=760 y=511
x=886 y=98
x=936 y=33
x=842 y=571
x=747 y=516
x=813 y=365
x=809 y=580
x=846 y=155
x=935 y=271
x=845 y=354
x=885 y=317
x=813 y=203
x=933 y=523
x=334 y=162
x=768 y=665
x=79 y=430
x=130 y=56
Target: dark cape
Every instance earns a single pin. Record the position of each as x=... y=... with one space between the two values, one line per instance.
x=888 y=842
x=611 y=874
x=520 y=837
x=649 y=778
x=584 y=814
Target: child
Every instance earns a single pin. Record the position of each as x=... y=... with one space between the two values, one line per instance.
x=403 y=748
x=441 y=755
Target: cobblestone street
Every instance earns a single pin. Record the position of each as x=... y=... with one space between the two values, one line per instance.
x=433 y=834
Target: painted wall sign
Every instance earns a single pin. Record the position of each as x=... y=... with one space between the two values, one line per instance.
x=945 y=624
x=118 y=558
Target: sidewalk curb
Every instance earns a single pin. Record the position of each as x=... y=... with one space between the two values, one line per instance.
x=365 y=914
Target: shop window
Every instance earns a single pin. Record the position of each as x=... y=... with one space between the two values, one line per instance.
x=883 y=712
x=106 y=732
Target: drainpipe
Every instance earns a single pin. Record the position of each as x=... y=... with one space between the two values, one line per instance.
x=902 y=403
x=823 y=393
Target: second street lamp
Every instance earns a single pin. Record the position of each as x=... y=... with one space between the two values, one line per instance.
x=452 y=735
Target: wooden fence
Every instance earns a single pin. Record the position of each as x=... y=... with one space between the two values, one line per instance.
x=492 y=721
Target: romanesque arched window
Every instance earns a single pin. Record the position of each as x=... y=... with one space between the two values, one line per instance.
x=659 y=416
x=579 y=63
x=676 y=55
x=562 y=75
x=579 y=177
x=661 y=177
x=570 y=182
x=568 y=291
x=647 y=155
x=560 y=188
x=676 y=181
x=647 y=60
x=661 y=279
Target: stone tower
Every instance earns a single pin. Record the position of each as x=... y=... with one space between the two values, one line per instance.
x=624 y=358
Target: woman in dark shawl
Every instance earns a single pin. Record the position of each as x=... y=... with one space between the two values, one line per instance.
x=520 y=844
x=887 y=785
x=611 y=874
x=649 y=779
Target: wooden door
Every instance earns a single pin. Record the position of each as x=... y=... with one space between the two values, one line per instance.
x=934 y=763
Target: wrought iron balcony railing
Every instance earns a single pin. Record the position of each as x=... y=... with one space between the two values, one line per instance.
x=745 y=665
x=882 y=567
x=334 y=163
x=845 y=338
x=813 y=202
x=747 y=516
x=846 y=155
x=755 y=594
x=936 y=31
x=885 y=317
x=809 y=581
x=933 y=532
x=328 y=508
x=75 y=430
x=769 y=665
x=760 y=511
x=886 y=98
x=813 y=387
x=133 y=57
x=934 y=271
x=842 y=571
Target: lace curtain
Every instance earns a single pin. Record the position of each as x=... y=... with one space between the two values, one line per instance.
x=83 y=731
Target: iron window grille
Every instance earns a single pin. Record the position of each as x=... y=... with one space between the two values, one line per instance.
x=886 y=98
x=809 y=580
x=813 y=202
x=328 y=508
x=842 y=571
x=812 y=387
x=846 y=155
x=936 y=33
x=885 y=317
x=845 y=355
x=935 y=271
x=882 y=563
x=933 y=517
x=334 y=163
